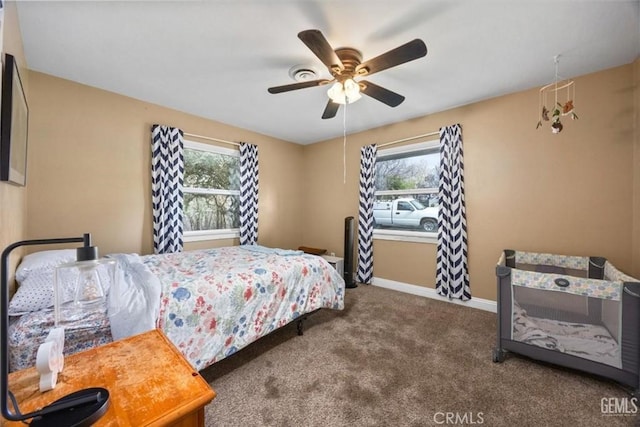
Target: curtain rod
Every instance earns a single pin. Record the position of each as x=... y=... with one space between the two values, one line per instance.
x=211 y=139
x=410 y=138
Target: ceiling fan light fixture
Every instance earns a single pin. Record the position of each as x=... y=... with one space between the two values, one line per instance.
x=343 y=93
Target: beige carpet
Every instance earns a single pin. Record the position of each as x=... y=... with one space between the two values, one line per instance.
x=392 y=359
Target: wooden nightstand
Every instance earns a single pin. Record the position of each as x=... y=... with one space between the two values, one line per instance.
x=150 y=383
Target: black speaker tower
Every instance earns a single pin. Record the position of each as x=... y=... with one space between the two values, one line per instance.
x=348 y=252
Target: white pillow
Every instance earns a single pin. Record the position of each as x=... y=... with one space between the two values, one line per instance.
x=33 y=294
x=47 y=260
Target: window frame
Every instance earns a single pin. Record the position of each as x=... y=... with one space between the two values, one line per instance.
x=407 y=235
x=203 y=235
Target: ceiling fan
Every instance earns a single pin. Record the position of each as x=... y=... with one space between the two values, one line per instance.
x=345 y=64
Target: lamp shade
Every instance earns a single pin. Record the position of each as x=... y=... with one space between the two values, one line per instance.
x=81 y=287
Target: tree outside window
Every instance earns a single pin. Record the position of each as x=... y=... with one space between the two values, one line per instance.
x=413 y=172
x=211 y=188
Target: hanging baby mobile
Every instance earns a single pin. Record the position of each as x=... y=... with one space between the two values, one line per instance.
x=562 y=93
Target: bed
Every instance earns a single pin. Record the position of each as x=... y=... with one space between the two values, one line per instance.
x=577 y=312
x=210 y=303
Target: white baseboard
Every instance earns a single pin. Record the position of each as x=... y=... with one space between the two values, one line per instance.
x=479 y=303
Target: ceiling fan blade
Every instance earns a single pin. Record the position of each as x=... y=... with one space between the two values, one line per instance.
x=330 y=110
x=321 y=48
x=407 y=52
x=386 y=96
x=295 y=86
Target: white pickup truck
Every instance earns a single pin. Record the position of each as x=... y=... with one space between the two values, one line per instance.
x=406 y=213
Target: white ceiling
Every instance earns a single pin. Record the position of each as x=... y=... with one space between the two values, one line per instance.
x=217 y=58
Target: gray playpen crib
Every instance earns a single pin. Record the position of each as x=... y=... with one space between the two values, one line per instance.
x=576 y=312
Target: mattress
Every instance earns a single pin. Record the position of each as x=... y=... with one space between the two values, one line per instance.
x=585 y=340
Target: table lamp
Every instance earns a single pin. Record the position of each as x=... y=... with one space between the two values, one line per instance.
x=81 y=408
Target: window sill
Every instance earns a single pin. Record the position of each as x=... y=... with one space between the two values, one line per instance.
x=406 y=236
x=198 y=236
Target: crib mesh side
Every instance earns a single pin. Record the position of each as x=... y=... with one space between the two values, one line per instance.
x=558 y=311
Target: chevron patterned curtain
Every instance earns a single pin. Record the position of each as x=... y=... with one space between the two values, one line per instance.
x=365 y=217
x=452 y=275
x=248 y=194
x=167 y=176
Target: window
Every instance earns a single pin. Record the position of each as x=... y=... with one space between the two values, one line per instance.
x=404 y=206
x=211 y=192
x=406 y=193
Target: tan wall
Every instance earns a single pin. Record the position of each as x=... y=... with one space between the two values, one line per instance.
x=636 y=173
x=90 y=159
x=526 y=189
x=13 y=199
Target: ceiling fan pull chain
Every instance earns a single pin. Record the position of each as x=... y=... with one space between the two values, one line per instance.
x=344 y=143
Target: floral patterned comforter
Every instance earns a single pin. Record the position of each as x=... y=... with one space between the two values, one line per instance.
x=217 y=301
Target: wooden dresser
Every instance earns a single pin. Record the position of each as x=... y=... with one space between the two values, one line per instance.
x=150 y=383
